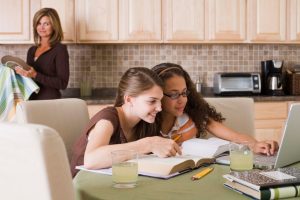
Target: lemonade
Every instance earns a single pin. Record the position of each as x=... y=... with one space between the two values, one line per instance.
x=241 y=160
x=124 y=174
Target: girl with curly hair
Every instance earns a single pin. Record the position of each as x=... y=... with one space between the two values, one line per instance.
x=185 y=114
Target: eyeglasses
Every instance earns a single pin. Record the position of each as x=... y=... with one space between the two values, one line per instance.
x=175 y=96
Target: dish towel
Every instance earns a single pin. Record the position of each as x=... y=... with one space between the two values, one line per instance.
x=14 y=88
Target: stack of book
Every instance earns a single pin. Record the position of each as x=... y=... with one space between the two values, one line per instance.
x=265 y=184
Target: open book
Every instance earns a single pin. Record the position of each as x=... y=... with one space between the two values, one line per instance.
x=196 y=152
x=153 y=166
x=209 y=148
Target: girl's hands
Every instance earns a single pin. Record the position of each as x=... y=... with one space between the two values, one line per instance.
x=268 y=147
x=31 y=73
x=164 y=147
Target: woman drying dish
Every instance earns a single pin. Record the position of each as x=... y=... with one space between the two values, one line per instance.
x=48 y=59
x=185 y=114
x=127 y=125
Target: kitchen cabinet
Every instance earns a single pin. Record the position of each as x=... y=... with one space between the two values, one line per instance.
x=293 y=20
x=16 y=19
x=205 y=20
x=97 y=21
x=270 y=118
x=267 y=20
x=66 y=12
x=159 y=21
x=226 y=20
x=184 y=20
x=113 y=21
x=140 y=20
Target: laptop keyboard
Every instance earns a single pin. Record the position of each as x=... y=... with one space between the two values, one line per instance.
x=264 y=162
x=265 y=159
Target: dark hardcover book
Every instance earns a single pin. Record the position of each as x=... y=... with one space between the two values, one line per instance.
x=267 y=193
x=261 y=179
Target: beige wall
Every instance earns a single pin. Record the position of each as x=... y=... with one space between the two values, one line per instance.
x=107 y=63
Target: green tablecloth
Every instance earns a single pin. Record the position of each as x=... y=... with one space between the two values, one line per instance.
x=92 y=186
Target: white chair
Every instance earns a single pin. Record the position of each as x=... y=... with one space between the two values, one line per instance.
x=67 y=116
x=33 y=164
x=238 y=111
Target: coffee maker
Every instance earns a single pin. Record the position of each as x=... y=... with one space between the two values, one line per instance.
x=272 y=77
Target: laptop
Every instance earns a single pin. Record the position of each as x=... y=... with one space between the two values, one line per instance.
x=289 y=148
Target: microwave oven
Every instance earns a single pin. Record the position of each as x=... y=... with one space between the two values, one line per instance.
x=237 y=83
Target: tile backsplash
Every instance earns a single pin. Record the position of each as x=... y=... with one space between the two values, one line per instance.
x=105 y=64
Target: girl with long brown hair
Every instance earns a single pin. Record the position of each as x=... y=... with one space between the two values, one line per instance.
x=127 y=125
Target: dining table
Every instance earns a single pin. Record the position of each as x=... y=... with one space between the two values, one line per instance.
x=94 y=186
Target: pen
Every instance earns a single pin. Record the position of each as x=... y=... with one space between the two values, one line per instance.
x=202 y=173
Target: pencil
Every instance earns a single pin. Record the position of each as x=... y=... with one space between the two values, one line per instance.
x=202 y=173
x=177 y=138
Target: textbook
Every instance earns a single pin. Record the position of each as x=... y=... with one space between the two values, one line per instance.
x=262 y=179
x=209 y=148
x=267 y=193
x=165 y=168
x=108 y=171
x=196 y=153
x=151 y=164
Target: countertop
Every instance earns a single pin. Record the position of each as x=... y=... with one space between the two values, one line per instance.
x=107 y=96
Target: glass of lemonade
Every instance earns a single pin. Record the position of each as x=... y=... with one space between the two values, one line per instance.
x=124 y=168
x=241 y=156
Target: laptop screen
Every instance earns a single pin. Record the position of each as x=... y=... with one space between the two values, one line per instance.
x=289 y=148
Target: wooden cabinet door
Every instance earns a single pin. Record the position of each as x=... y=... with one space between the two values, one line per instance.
x=65 y=9
x=226 y=20
x=15 y=21
x=293 y=21
x=267 y=20
x=140 y=20
x=97 y=20
x=184 y=20
x=269 y=119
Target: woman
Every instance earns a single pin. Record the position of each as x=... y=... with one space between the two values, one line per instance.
x=48 y=58
x=185 y=114
x=127 y=125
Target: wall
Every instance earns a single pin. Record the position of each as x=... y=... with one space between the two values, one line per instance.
x=107 y=63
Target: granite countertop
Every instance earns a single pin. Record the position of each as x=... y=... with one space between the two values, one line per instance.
x=107 y=96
